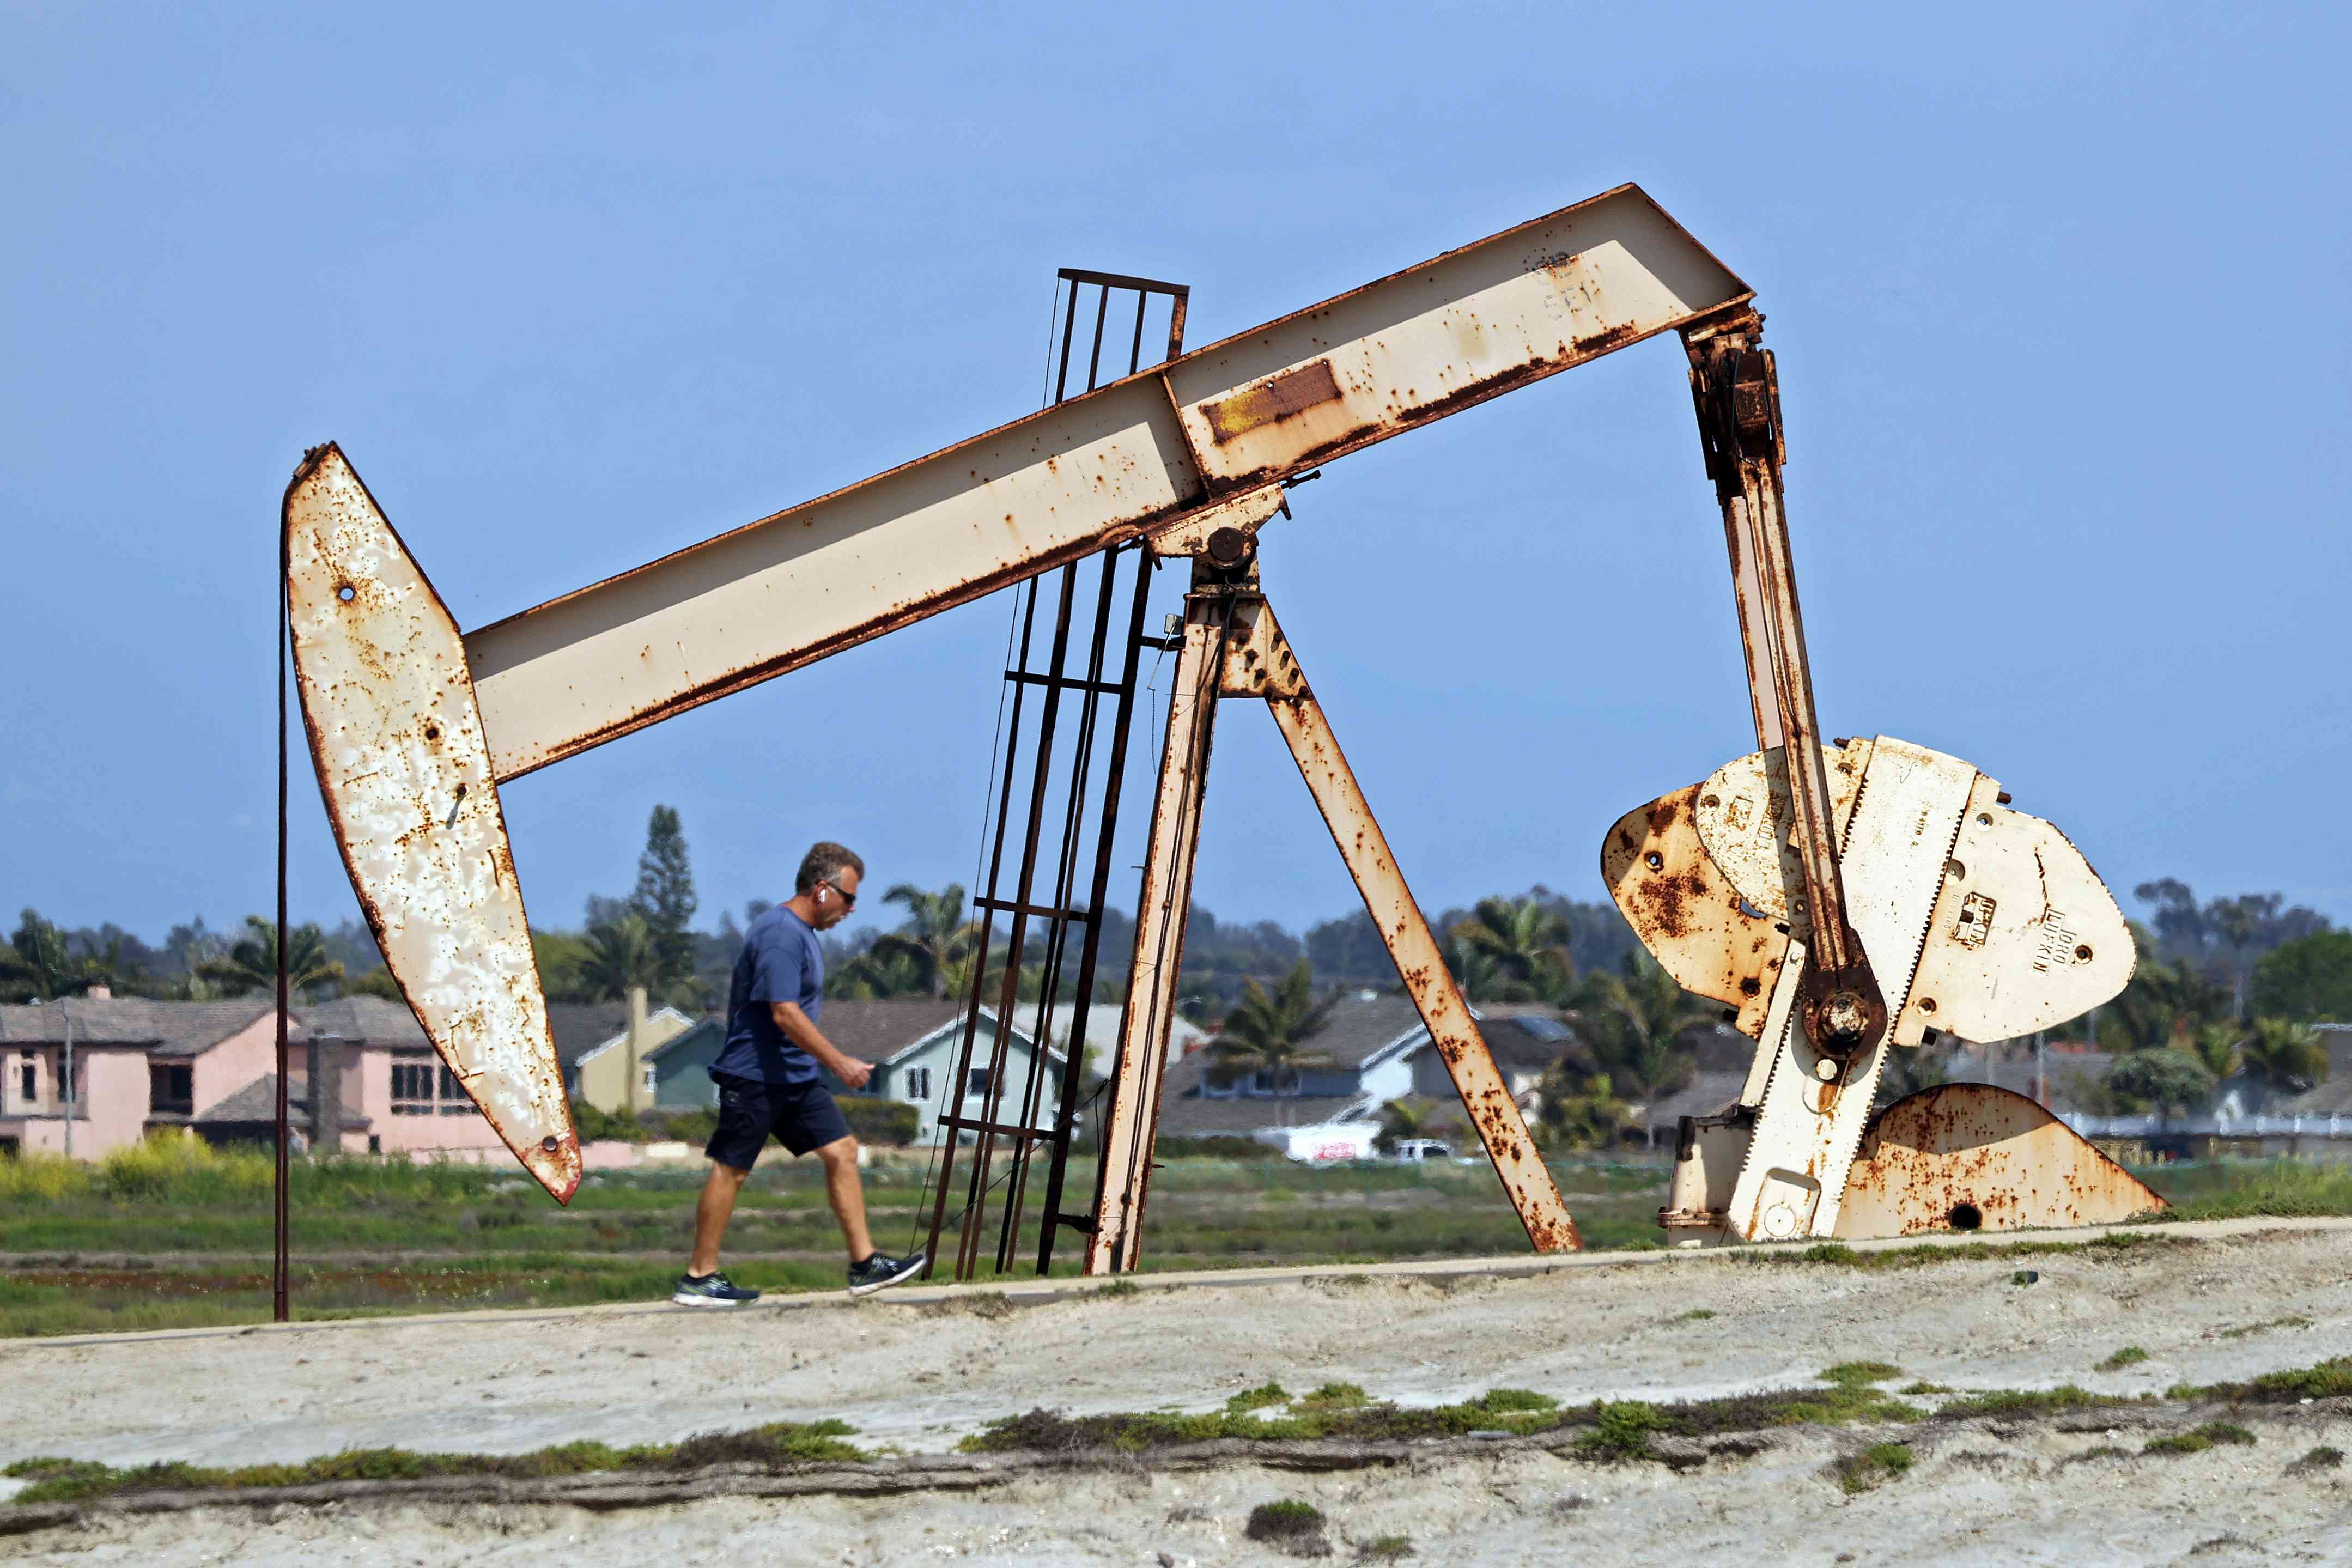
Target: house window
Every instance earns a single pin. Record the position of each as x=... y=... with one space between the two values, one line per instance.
x=171 y=1091
x=28 y=1080
x=975 y=1083
x=652 y=1078
x=455 y=1100
x=412 y=1085
x=918 y=1083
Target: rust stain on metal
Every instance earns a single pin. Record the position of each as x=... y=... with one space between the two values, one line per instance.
x=1970 y=1156
x=1294 y=392
x=404 y=771
x=1686 y=913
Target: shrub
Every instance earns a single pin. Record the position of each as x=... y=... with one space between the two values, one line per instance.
x=175 y=1166
x=37 y=1177
x=1289 y=1526
x=882 y=1122
x=2129 y=1356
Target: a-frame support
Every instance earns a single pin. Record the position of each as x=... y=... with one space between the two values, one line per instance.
x=1231 y=647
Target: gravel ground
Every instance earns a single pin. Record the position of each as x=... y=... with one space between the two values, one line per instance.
x=919 y=1375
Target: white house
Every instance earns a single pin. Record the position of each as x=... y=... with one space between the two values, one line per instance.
x=912 y=1043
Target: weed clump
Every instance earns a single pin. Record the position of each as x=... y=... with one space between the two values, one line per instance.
x=1117 y=1290
x=2201 y=1438
x=79 y=1480
x=1623 y=1429
x=1259 y=1398
x=2026 y=1401
x=2314 y=1460
x=1872 y=1468
x=2329 y=1379
x=2130 y=1356
x=1385 y=1549
x=1333 y=1396
x=1289 y=1526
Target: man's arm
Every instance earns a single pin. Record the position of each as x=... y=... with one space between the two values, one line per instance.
x=801 y=1031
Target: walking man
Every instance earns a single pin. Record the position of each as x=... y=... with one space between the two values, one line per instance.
x=767 y=1082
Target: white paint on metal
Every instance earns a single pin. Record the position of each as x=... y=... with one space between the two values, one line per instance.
x=1126 y=460
x=403 y=764
x=1905 y=815
x=2024 y=935
x=1745 y=819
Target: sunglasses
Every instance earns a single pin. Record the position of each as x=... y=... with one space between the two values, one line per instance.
x=848 y=898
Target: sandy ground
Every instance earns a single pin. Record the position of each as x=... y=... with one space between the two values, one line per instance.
x=919 y=1375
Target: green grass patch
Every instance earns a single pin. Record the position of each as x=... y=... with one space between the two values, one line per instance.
x=1696 y=1315
x=1622 y=1429
x=2291 y=1321
x=1333 y=1396
x=1923 y=1387
x=2314 y=1460
x=2329 y=1379
x=1872 y=1468
x=1860 y=1374
x=1258 y=1398
x=1117 y=1290
x=1513 y=1401
x=1385 y=1549
x=1839 y=1255
x=2026 y=1401
x=2235 y=1189
x=2210 y=1435
x=781 y=1443
x=2130 y=1356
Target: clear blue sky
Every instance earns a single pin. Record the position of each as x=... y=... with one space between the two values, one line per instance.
x=2058 y=297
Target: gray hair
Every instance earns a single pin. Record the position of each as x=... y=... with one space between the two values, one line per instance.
x=822 y=863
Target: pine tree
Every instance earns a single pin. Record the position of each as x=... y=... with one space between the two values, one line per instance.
x=664 y=897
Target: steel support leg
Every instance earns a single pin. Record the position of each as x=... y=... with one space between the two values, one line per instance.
x=1131 y=1113
x=1263 y=664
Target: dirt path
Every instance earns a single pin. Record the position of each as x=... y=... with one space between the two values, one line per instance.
x=920 y=1376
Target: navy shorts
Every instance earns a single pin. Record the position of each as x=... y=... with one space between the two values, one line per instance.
x=802 y=1116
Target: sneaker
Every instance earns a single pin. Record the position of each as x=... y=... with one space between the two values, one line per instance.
x=881 y=1271
x=710 y=1290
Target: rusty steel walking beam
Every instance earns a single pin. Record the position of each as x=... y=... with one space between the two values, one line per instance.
x=1233 y=647
x=414 y=726
x=1237 y=417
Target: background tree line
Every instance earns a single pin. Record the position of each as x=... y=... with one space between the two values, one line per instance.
x=2222 y=993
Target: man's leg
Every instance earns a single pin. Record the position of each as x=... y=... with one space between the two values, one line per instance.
x=846 y=1192
x=719 y=1191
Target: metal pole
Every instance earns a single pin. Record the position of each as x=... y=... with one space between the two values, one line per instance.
x=280 y=1309
x=67 y=1088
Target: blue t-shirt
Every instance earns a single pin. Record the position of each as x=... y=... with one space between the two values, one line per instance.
x=781 y=961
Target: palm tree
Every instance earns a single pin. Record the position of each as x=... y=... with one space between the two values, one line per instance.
x=252 y=963
x=2166 y=1001
x=936 y=933
x=621 y=954
x=1400 y=1119
x=1266 y=1032
x=1636 y=1024
x=2286 y=1057
x=2215 y=1047
x=1473 y=967
x=1527 y=941
x=1581 y=1113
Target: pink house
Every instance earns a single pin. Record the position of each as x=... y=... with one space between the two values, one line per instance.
x=391 y=1082
x=137 y=1064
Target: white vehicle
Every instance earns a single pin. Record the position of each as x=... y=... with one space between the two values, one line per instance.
x=1420 y=1151
x=1333 y=1142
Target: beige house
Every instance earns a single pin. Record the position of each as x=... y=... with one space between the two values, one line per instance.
x=603 y=1048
